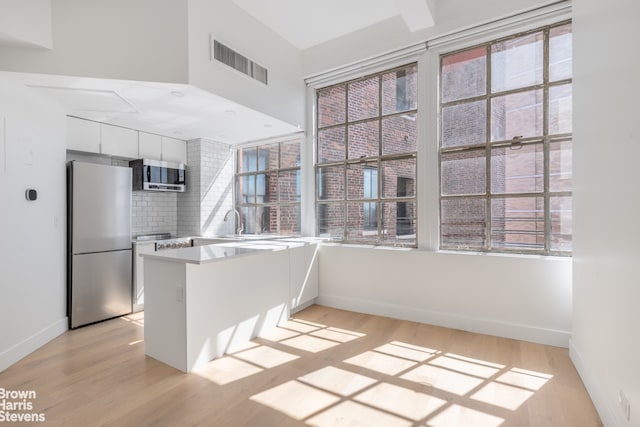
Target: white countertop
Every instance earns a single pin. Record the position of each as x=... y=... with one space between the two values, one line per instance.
x=219 y=251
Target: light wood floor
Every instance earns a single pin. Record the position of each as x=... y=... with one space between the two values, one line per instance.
x=325 y=367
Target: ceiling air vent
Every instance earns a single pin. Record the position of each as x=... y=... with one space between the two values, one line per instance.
x=233 y=59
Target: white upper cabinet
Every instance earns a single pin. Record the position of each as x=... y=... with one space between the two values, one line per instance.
x=101 y=138
x=149 y=146
x=83 y=135
x=121 y=142
x=174 y=150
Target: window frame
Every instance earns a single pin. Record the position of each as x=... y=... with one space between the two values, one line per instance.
x=375 y=162
x=545 y=140
x=271 y=204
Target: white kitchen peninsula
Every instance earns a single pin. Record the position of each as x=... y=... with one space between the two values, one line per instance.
x=204 y=301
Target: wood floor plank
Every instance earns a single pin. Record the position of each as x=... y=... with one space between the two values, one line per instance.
x=325 y=367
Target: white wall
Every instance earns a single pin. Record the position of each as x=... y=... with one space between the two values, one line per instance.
x=521 y=297
x=118 y=39
x=26 y=23
x=605 y=343
x=32 y=253
x=283 y=98
x=449 y=15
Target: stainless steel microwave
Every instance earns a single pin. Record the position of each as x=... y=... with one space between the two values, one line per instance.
x=156 y=175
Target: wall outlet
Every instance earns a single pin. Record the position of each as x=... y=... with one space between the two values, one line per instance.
x=624 y=405
x=179 y=293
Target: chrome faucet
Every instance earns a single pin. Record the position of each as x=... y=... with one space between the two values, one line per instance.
x=239 y=228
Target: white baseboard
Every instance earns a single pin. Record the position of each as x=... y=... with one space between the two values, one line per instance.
x=137 y=308
x=12 y=355
x=604 y=406
x=466 y=323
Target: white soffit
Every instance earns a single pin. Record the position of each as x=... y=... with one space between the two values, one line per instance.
x=306 y=23
x=173 y=110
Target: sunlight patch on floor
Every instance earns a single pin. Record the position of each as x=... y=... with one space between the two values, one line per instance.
x=443 y=379
x=467 y=366
x=457 y=415
x=382 y=363
x=309 y=343
x=296 y=399
x=338 y=381
x=352 y=414
x=266 y=357
x=226 y=370
x=401 y=401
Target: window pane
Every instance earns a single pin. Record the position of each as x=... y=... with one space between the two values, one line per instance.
x=464 y=74
x=362 y=222
x=290 y=154
x=331 y=106
x=331 y=220
x=560 y=56
x=463 y=223
x=331 y=144
x=463 y=172
x=464 y=124
x=399 y=178
x=517 y=169
x=517 y=223
x=517 y=63
x=362 y=181
x=268 y=157
x=560 y=166
x=364 y=139
x=400 y=90
x=399 y=222
x=560 y=109
x=267 y=219
x=289 y=186
x=289 y=220
x=267 y=187
x=246 y=189
x=364 y=99
x=247 y=160
x=399 y=134
x=561 y=224
x=249 y=223
x=330 y=181
x=518 y=114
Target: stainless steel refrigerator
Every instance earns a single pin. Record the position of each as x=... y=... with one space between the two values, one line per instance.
x=99 y=274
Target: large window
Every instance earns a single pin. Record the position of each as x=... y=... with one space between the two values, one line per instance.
x=506 y=144
x=366 y=159
x=268 y=188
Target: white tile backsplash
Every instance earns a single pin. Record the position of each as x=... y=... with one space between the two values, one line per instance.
x=209 y=194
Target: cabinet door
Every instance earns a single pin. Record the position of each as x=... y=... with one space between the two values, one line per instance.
x=121 y=142
x=83 y=135
x=174 y=150
x=149 y=146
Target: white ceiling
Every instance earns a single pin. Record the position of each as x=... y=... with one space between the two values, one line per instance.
x=306 y=23
x=186 y=112
x=173 y=110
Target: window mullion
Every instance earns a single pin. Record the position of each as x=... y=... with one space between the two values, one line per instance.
x=546 y=143
x=345 y=205
x=488 y=218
